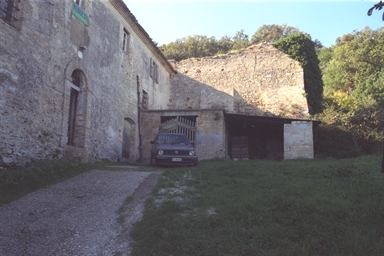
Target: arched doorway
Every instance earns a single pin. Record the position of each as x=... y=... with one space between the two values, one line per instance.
x=128 y=139
x=77 y=110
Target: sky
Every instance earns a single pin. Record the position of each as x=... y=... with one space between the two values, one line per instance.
x=168 y=20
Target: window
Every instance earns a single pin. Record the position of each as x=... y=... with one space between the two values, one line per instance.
x=151 y=67
x=144 y=101
x=154 y=71
x=125 y=40
x=8 y=10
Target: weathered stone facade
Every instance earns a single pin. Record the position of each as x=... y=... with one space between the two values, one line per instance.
x=52 y=56
x=86 y=82
x=260 y=81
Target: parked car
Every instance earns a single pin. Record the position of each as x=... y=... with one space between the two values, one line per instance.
x=173 y=149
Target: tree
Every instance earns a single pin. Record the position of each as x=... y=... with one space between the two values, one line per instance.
x=201 y=46
x=356 y=64
x=240 y=40
x=377 y=6
x=191 y=46
x=301 y=48
x=344 y=39
x=353 y=75
x=272 y=33
x=224 y=45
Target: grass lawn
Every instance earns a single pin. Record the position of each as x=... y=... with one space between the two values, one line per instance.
x=292 y=207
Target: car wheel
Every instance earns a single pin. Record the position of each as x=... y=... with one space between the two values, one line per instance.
x=196 y=162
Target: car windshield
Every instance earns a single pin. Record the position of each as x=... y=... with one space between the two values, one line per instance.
x=172 y=139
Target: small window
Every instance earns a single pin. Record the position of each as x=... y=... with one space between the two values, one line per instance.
x=9 y=10
x=144 y=101
x=154 y=71
x=125 y=40
x=151 y=67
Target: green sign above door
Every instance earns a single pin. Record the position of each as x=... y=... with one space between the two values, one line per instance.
x=79 y=13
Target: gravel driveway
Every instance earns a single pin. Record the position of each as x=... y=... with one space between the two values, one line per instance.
x=80 y=216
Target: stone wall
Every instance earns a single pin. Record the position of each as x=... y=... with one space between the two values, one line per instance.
x=210 y=138
x=37 y=61
x=298 y=140
x=260 y=81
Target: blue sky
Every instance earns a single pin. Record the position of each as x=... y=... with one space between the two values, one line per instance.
x=168 y=20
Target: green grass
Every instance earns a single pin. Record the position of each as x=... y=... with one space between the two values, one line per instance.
x=295 y=207
x=18 y=182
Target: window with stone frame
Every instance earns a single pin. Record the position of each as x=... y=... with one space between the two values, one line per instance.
x=78 y=2
x=125 y=40
x=10 y=12
x=154 y=71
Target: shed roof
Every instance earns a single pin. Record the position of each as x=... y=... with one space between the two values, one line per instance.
x=239 y=117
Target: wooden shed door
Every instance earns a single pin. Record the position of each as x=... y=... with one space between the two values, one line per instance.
x=240 y=147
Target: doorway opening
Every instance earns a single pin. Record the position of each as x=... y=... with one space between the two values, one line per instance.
x=77 y=110
x=128 y=139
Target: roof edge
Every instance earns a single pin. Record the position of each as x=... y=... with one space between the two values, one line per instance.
x=275 y=118
x=142 y=34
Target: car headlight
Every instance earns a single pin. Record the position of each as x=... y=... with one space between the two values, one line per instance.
x=160 y=152
x=191 y=153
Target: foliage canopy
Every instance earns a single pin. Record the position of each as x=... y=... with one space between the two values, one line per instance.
x=201 y=46
x=272 y=33
x=354 y=83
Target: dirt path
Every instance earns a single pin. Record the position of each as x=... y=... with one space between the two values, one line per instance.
x=80 y=216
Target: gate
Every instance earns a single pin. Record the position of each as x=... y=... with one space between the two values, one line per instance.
x=181 y=125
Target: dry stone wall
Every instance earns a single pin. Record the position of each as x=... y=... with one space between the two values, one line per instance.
x=259 y=81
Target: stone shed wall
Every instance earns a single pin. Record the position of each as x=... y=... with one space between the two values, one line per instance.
x=259 y=81
x=298 y=140
x=37 y=60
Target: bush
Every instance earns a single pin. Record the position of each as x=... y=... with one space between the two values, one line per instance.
x=331 y=141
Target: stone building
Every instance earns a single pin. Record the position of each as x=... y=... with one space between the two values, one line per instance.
x=246 y=104
x=74 y=76
x=82 y=79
